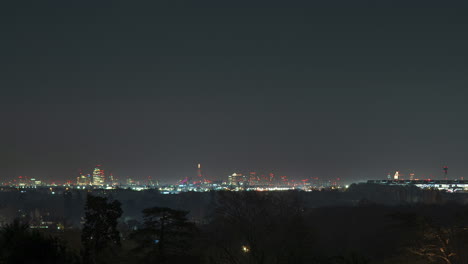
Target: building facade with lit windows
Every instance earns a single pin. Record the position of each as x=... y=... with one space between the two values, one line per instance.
x=448 y=185
x=237 y=179
x=98 y=176
x=83 y=180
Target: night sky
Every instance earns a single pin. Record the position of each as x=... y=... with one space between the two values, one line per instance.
x=349 y=89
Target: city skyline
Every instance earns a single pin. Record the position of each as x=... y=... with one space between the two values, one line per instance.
x=260 y=131
x=100 y=175
x=300 y=87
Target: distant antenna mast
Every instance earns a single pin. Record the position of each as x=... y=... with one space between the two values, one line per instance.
x=445 y=171
x=199 y=173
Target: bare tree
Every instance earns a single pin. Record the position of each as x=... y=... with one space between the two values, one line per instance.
x=253 y=227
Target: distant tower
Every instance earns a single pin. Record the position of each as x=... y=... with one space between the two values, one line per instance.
x=199 y=173
x=445 y=171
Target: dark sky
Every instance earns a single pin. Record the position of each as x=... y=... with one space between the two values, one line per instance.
x=349 y=89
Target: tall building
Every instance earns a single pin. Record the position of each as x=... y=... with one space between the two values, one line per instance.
x=199 y=173
x=98 y=176
x=83 y=180
x=271 y=177
x=130 y=181
x=152 y=182
x=237 y=179
x=284 y=180
x=200 y=178
x=253 y=179
x=112 y=180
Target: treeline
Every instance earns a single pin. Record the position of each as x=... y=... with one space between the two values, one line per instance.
x=68 y=206
x=250 y=227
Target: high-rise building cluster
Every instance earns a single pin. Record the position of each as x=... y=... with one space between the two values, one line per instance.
x=254 y=179
x=237 y=179
x=97 y=178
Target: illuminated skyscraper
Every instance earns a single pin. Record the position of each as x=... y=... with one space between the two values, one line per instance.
x=112 y=180
x=271 y=177
x=284 y=180
x=237 y=179
x=253 y=179
x=200 y=178
x=130 y=181
x=199 y=173
x=23 y=181
x=98 y=176
x=152 y=182
x=83 y=180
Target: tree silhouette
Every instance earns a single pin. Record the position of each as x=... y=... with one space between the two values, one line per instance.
x=352 y=258
x=100 y=237
x=260 y=228
x=436 y=245
x=18 y=244
x=436 y=242
x=166 y=235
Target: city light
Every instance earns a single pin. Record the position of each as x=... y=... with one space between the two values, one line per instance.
x=245 y=249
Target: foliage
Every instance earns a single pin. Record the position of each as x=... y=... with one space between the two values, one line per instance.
x=252 y=227
x=438 y=242
x=166 y=235
x=19 y=244
x=100 y=237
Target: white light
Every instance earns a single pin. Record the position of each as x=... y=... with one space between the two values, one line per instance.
x=245 y=249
